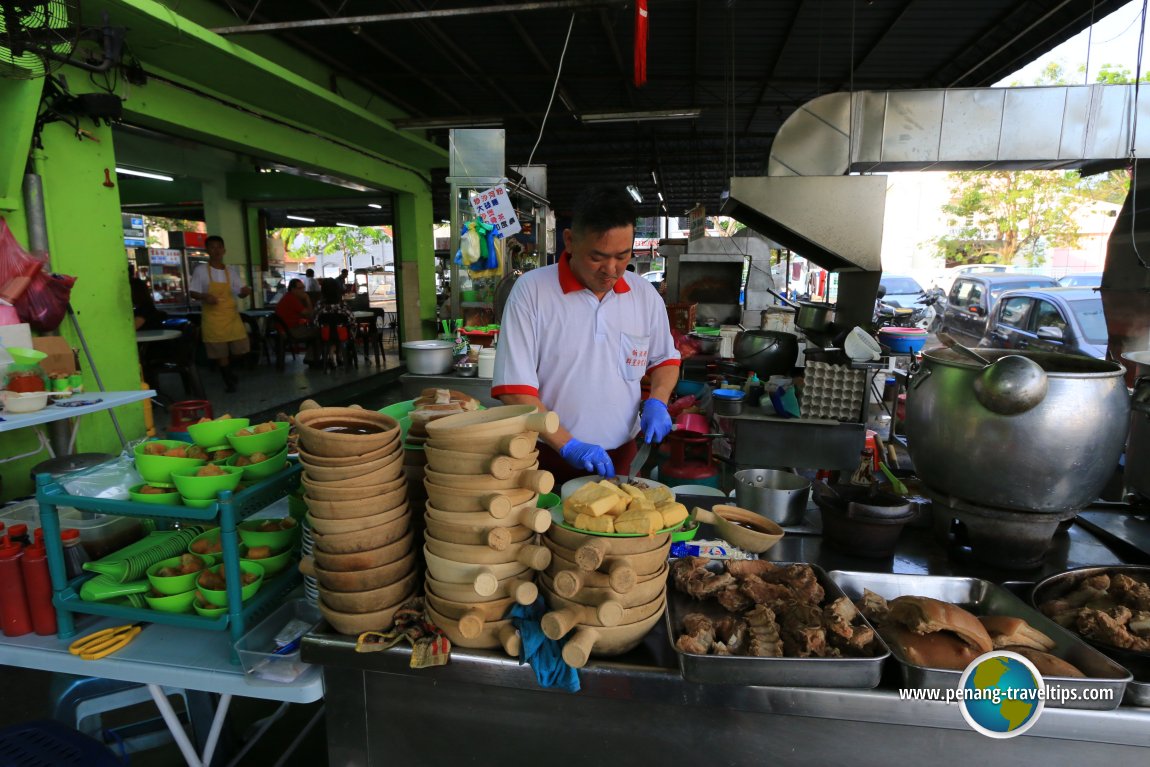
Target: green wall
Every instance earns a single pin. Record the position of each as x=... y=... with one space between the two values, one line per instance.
x=225 y=95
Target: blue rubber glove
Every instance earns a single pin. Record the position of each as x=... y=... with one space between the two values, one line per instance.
x=654 y=421
x=592 y=458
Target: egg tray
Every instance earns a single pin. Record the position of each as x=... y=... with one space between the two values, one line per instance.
x=832 y=391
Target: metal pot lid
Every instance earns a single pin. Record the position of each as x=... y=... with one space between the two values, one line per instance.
x=431 y=344
x=1057 y=365
x=727 y=394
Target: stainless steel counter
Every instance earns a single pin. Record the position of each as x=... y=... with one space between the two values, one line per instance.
x=484 y=708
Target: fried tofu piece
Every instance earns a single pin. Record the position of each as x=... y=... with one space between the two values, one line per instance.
x=602 y=524
x=632 y=491
x=673 y=513
x=592 y=499
x=622 y=500
x=643 y=522
x=569 y=514
x=657 y=495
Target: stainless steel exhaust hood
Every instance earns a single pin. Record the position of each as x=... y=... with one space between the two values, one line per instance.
x=808 y=203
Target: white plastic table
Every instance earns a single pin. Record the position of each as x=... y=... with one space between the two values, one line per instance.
x=101 y=400
x=164 y=656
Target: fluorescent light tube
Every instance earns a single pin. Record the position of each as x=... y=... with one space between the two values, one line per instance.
x=654 y=114
x=301 y=218
x=144 y=174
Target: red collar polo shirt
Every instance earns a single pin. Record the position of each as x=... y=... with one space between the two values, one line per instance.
x=581 y=356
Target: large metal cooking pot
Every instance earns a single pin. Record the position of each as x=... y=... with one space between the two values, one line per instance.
x=429 y=358
x=767 y=352
x=780 y=496
x=1046 y=453
x=814 y=316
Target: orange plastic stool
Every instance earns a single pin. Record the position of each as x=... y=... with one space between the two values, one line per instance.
x=184 y=414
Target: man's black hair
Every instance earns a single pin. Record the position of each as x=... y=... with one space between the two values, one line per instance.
x=602 y=208
x=213 y=237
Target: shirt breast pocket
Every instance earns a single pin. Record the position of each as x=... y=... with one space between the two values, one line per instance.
x=633 y=351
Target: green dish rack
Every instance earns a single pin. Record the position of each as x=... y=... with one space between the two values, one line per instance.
x=229 y=510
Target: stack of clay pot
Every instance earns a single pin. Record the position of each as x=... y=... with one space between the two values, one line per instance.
x=483 y=481
x=605 y=592
x=363 y=555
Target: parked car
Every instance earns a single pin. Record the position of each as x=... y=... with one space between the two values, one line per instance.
x=1084 y=280
x=945 y=281
x=901 y=290
x=972 y=299
x=1065 y=320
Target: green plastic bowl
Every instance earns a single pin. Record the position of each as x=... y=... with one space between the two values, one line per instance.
x=685 y=533
x=175 y=603
x=198 y=503
x=205 y=488
x=270 y=442
x=219 y=598
x=172 y=585
x=208 y=535
x=274 y=564
x=157 y=469
x=277 y=540
x=171 y=498
x=210 y=434
x=548 y=500
x=208 y=612
x=262 y=470
x=25 y=356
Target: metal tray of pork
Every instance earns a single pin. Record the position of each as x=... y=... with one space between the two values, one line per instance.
x=754 y=622
x=1077 y=590
x=982 y=597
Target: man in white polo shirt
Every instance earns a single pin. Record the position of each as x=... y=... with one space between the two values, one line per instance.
x=577 y=337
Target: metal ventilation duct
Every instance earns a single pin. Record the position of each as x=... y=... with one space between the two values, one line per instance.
x=836 y=219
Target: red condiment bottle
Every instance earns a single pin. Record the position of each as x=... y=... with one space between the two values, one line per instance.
x=18 y=533
x=14 y=617
x=38 y=588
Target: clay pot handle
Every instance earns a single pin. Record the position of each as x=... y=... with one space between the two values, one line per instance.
x=524 y=592
x=517 y=445
x=568 y=583
x=510 y=640
x=485 y=582
x=590 y=555
x=609 y=613
x=535 y=557
x=537 y=481
x=544 y=423
x=702 y=515
x=500 y=467
x=307 y=566
x=498 y=538
x=621 y=577
x=538 y=520
x=497 y=505
x=557 y=623
x=471 y=623
x=577 y=651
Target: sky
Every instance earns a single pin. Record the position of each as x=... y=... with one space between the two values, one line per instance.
x=1113 y=41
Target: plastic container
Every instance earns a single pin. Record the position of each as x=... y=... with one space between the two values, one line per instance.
x=486 y=363
x=258 y=651
x=903 y=340
x=100 y=534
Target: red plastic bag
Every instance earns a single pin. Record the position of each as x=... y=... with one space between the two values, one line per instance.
x=44 y=303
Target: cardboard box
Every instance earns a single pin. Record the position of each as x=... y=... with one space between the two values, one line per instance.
x=60 y=358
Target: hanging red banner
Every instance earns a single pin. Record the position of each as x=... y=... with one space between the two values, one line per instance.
x=640 y=43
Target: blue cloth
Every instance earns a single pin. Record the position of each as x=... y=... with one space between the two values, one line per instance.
x=545 y=655
x=592 y=458
x=655 y=421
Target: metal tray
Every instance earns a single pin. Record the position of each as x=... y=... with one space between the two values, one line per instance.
x=1138 y=663
x=985 y=598
x=769 y=672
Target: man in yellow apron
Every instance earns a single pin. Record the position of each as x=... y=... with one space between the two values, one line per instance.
x=216 y=286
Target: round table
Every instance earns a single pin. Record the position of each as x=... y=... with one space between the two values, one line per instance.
x=148 y=336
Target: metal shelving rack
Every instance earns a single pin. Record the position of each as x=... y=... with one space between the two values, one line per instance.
x=229 y=510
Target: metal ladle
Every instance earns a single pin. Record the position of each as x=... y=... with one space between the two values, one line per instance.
x=1010 y=385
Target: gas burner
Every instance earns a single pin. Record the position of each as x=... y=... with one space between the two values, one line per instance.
x=1015 y=540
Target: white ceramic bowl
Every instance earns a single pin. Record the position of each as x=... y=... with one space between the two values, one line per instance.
x=24 y=402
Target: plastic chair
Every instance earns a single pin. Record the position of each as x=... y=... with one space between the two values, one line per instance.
x=281 y=338
x=371 y=336
x=81 y=702
x=183 y=414
x=51 y=744
x=337 y=350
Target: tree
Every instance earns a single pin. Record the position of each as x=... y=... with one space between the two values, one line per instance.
x=319 y=241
